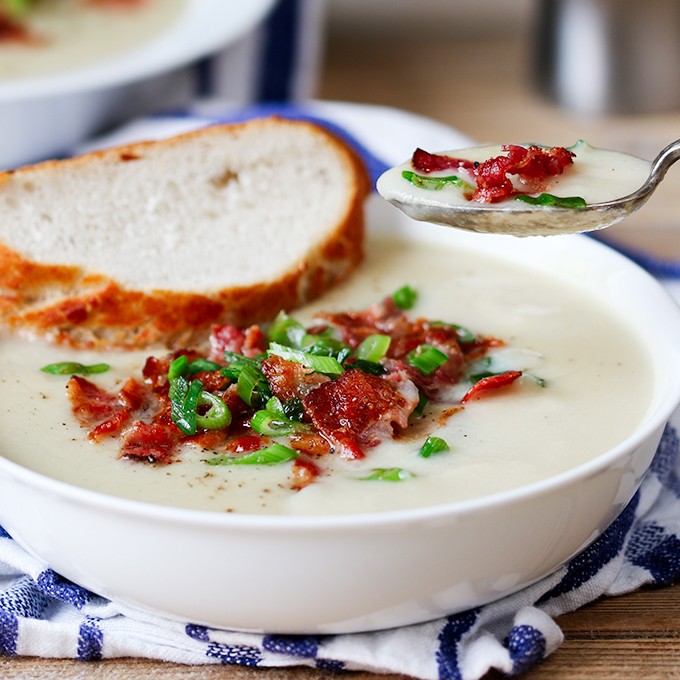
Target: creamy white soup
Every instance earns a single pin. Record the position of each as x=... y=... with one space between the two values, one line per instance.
x=67 y=34
x=595 y=175
x=591 y=390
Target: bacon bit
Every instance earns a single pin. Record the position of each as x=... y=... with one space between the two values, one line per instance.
x=304 y=472
x=310 y=443
x=247 y=443
x=155 y=373
x=430 y=162
x=213 y=381
x=359 y=409
x=13 y=31
x=227 y=338
x=111 y=427
x=386 y=318
x=151 y=441
x=91 y=405
x=538 y=163
x=289 y=380
x=209 y=439
x=133 y=395
x=533 y=165
x=491 y=382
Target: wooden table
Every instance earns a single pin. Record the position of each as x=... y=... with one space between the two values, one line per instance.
x=481 y=88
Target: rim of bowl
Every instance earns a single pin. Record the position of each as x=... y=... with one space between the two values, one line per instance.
x=665 y=399
x=202 y=27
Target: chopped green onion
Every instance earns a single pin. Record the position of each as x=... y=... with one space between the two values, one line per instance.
x=318 y=364
x=368 y=366
x=541 y=382
x=15 y=8
x=405 y=297
x=178 y=367
x=432 y=446
x=550 y=200
x=393 y=474
x=275 y=406
x=374 y=347
x=322 y=345
x=218 y=415
x=184 y=396
x=285 y=330
x=426 y=358
x=275 y=425
x=420 y=406
x=269 y=455
x=198 y=365
x=437 y=183
x=249 y=379
x=294 y=409
x=72 y=367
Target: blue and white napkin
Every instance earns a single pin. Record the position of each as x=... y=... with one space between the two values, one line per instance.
x=45 y=615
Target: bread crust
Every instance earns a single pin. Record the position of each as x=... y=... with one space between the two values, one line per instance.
x=72 y=306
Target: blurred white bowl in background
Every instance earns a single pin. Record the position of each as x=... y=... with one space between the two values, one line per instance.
x=45 y=116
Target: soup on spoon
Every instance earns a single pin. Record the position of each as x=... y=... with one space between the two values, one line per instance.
x=524 y=190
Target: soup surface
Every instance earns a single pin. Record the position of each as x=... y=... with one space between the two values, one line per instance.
x=597 y=387
x=66 y=34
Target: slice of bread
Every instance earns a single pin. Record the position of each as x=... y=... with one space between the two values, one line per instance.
x=153 y=242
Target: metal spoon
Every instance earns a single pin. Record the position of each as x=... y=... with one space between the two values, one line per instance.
x=539 y=220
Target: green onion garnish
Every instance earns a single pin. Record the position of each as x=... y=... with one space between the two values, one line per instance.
x=394 y=474
x=318 y=364
x=15 y=8
x=405 y=297
x=541 y=382
x=426 y=358
x=178 y=367
x=420 y=407
x=274 y=422
x=293 y=409
x=285 y=330
x=72 y=367
x=374 y=347
x=248 y=383
x=198 y=365
x=269 y=455
x=432 y=446
x=184 y=396
x=368 y=367
x=218 y=415
x=437 y=183
x=550 y=200
x=275 y=425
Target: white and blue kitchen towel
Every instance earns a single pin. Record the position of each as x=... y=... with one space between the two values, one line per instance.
x=43 y=614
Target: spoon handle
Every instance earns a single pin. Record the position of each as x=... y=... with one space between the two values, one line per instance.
x=663 y=162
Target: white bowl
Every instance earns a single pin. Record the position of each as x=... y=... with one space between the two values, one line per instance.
x=48 y=115
x=369 y=571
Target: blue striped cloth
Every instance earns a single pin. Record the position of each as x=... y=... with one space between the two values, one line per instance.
x=43 y=614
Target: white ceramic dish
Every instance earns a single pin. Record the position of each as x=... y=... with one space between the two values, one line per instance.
x=367 y=571
x=48 y=115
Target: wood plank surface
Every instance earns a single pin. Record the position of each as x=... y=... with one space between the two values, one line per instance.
x=629 y=637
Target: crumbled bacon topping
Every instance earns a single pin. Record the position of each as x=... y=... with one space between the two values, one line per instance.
x=345 y=413
x=359 y=410
x=533 y=165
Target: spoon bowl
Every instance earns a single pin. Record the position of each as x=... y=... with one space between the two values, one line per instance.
x=521 y=219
